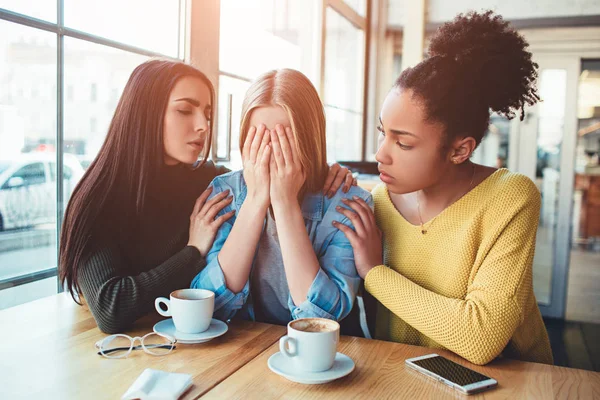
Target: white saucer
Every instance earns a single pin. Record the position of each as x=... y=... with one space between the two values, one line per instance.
x=283 y=366
x=216 y=329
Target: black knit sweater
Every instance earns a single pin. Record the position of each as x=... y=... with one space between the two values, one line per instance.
x=121 y=278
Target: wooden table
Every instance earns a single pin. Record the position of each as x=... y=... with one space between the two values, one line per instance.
x=380 y=373
x=47 y=351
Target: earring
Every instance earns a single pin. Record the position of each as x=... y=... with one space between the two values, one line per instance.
x=455 y=161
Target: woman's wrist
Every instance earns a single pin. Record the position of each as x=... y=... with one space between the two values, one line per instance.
x=256 y=202
x=285 y=205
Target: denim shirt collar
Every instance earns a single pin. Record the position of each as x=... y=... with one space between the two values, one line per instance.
x=313 y=204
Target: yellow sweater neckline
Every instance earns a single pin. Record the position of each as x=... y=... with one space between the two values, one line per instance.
x=487 y=181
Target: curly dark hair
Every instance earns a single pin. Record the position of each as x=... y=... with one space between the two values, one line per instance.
x=476 y=63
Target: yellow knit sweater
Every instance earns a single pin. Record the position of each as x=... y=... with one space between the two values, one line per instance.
x=466 y=285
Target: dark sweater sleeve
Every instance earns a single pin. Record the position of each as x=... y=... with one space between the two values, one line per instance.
x=117 y=301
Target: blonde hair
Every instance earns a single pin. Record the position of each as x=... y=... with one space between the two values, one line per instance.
x=293 y=91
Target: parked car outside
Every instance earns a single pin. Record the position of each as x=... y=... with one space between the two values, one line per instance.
x=28 y=188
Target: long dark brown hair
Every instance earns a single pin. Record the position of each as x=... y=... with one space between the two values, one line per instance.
x=111 y=194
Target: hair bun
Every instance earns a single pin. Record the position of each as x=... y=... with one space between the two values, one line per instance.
x=491 y=57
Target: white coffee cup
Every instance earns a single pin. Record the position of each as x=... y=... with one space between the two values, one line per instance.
x=191 y=309
x=311 y=343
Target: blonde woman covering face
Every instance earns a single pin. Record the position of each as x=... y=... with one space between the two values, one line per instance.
x=280 y=258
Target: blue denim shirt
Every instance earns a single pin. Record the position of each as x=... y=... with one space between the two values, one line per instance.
x=334 y=288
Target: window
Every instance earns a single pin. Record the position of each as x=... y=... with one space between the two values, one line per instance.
x=283 y=39
x=4 y=166
x=67 y=172
x=94 y=66
x=27 y=117
x=493 y=149
x=287 y=37
x=344 y=87
x=147 y=24
x=231 y=95
x=32 y=174
x=41 y=9
x=93 y=92
x=98 y=59
x=28 y=60
x=93 y=125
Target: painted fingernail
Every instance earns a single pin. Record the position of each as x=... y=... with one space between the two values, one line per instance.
x=334 y=223
x=355 y=197
x=338 y=208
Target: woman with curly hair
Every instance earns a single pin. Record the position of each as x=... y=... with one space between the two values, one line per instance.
x=455 y=271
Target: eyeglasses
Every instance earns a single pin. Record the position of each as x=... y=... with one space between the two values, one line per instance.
x=120 y=345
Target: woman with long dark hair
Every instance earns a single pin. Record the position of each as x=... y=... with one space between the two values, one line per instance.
x=458 y=238
x=139 y=224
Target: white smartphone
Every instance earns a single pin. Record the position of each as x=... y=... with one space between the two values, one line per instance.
x=452 y=374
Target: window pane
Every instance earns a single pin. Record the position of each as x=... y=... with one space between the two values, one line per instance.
x=41 y=9
x=344 y=83
x=149 y=24
x=96 y=75
x=360 y=6
x=231 y=95
x=28 y=135
x=493 y=149
x=30 y=175
x=550 y=133
x=261 y=35
x=344 y=134
x=584 y=279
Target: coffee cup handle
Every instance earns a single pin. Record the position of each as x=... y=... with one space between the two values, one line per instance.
x=286 y=342
x=166 y=302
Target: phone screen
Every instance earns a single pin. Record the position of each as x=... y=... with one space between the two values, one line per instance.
x=450 y=370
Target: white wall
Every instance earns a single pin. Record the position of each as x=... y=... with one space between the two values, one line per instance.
x=444 y=10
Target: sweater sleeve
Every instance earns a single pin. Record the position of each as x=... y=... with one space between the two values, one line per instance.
x=479 y=326
x=117 y=301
